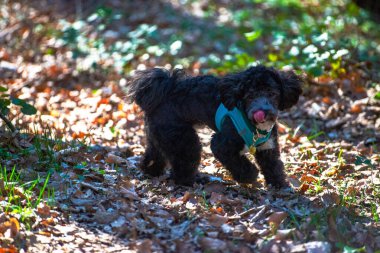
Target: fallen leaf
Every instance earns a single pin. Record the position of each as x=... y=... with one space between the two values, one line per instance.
x=104 y=217
x=111 y=158
x=356 y=108
x=330 y=172
x=144 y=246
x=308 y=179
x=283 y=234
x=330 y=198
x=276 y=218
x=11 y=249
x=43 y=210
x=212 y=244
x=186 y=197
x=312 y=247
x=294 y=181
x=304 y=187
x=217 y=220
x=129 y=193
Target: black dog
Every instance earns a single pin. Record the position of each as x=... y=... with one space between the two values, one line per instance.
x=174 y=103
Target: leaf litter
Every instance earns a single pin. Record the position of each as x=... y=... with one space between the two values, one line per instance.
x=103 y=203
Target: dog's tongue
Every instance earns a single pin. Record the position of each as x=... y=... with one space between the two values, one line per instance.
x=259 y=116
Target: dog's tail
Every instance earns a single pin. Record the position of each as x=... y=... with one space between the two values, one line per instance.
x=149 y=88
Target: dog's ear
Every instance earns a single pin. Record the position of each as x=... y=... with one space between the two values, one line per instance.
x=231 y=90
x=291 y=89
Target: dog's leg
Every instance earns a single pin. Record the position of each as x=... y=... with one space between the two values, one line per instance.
x=153 y=162
x=181 y=146
x=271 y=164
x=227 y=149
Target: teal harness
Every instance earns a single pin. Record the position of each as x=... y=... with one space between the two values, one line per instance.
x=246 y=130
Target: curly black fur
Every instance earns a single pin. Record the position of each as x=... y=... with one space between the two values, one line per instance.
x=174 y=103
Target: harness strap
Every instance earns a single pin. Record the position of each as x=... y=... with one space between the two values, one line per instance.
x=248 y=132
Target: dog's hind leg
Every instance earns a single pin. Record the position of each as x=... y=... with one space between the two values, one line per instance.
x=227 y=149
x=153 y=162
x=180 y=144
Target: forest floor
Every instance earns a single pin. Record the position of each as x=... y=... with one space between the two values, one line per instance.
x=70 y=182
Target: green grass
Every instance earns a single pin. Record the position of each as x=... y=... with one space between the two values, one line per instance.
x=22 y=198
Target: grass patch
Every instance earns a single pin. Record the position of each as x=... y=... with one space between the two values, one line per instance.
x=21 y=198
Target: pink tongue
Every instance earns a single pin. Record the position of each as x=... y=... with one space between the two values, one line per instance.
x=259 y=116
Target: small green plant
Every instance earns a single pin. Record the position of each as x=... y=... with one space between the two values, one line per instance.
x=205 y=202
x=316 y=187
x=6 y=101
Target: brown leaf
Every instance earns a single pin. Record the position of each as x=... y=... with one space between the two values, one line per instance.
x=327 y=100
x=104 y=217
x=304 y=187
x=277 y=217
x=129 y=193
x=15 y=226
x=315 y=247
x=294 y=181
x=182 y=246
x=333 y=233
x=356 y=108
x=186 y=197
x=330 y=172
x=215 y=198
x=11 y=249
x=111 y=158
x=212 y=244
x=217 y=220
x=330 y=198
x=308 y=179
x=283 y=234
x=43 y=210
x=221 y=198
x=214 y=187
x=144 y=246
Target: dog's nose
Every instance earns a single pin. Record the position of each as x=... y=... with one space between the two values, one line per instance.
x=259 y=116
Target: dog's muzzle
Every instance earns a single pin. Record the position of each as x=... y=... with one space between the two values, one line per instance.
x=262 y=111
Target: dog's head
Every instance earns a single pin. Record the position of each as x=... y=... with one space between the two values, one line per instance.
x=261 y=92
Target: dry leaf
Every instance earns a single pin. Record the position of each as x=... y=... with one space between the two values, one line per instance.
x=356 y=108
x=144 y=246
x=312 y=247
x=111 y=158
x=217 y=220
x=276 y=218
x=11 y=249
x=187 y=196
x=129 y=193
x=212 y=244
x=43 y=210
x=304 y=187
x=330 y=172
x=308 y=179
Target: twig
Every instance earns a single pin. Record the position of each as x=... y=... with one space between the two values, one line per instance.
x=65 y=152
x=248 y=212
x=8 y=123
x=92 y=187
x=259 y=214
